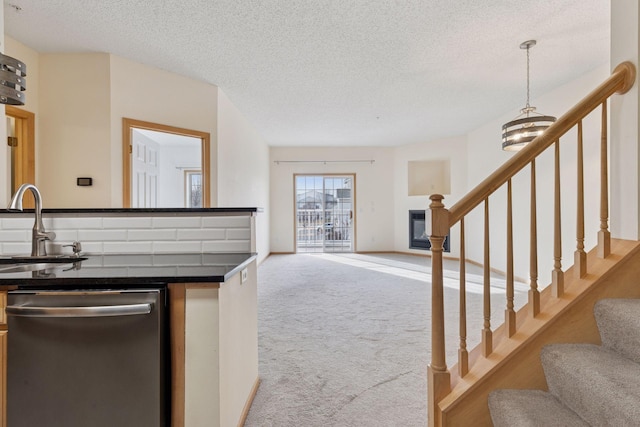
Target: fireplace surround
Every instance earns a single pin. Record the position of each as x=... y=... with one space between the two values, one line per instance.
x=418 y=238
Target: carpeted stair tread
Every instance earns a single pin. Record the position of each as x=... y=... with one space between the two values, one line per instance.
x=597 y=383
x=619 y=324
x=530 y=408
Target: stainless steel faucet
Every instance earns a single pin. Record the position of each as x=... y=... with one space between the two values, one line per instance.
x=39 y=235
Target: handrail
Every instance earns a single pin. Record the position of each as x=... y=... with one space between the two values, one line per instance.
x=442 y=219
x=620 y=81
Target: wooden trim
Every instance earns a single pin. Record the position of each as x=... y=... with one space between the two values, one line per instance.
x=204 y=285
x=534 y=293
x=3 y=304
x=3 y=378
x=516 y=361
x=487 y=335
x=205 y=137
x=249 y=402
x=177 y=313
x=25 y=165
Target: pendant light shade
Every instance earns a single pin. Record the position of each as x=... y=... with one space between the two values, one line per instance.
x=529 y=124
x=12 y=81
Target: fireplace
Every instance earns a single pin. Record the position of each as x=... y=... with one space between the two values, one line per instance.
x=418 y=238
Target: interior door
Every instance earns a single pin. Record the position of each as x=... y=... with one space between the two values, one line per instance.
x=21 y=140
x=144 y=173
x=324 y=213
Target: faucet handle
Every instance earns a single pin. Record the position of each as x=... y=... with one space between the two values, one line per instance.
x=76 y=247
x=48 y=235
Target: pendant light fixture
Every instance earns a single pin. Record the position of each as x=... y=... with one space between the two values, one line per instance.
x=529 y=124
x=12 y=81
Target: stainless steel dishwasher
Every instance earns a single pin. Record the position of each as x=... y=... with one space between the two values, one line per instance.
x=87 y=358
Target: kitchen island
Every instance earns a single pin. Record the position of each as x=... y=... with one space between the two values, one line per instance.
x=212 y=298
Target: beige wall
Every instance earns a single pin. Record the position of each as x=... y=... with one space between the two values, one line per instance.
x=153 y=95
x=373 y=192
x=243 y=168
x=484 y=155
x=453 y=150
x=74 y=130
x=80 y=100
x=625 y=129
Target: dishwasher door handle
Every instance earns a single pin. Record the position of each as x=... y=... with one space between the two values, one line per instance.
x=95 y=311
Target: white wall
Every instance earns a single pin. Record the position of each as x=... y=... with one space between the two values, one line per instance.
x=374 y=186
x=174 y=161
x=625 y=129
x=452 y=149
x=243 y=168
x=485 y=155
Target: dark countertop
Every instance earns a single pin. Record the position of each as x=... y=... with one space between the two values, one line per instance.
x=182 y=211
x=134 y=270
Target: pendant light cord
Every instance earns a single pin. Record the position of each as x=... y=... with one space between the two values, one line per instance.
x=528 y=106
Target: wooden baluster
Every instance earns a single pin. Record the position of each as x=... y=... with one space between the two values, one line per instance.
x=509 y=313
x=534 y=293
x=580 y=256
x=487 y=335
x=463 y=354
x=604 y=236
x=439 y=378
x=557 y=276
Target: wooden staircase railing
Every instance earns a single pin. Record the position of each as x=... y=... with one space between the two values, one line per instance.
x=442 y=219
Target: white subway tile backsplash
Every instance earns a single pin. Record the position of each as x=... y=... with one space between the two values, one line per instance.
x=176 y=222
x=64 y=237
x=226 y=221
x=16 y=248
x=161 y=234
x=17 y=223
x=15 y=236
x=102 y=235
x=127 y=247
x=125 y=233
x=126 y=222
x=76 y=223
x=238 y=234
x=226 y=246
x=201 y=234
x=92 y=247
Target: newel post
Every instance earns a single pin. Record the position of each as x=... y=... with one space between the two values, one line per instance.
x=439 y=382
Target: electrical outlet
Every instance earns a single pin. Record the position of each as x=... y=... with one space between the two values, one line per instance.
x=243 y=276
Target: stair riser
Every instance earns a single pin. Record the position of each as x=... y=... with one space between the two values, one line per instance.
x=599 y=385
x=619 y=325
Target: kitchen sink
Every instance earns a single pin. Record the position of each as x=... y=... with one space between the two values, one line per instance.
x=35 y=266
x=55 y=259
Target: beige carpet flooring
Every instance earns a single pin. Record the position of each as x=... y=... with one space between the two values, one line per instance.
x=344 y=339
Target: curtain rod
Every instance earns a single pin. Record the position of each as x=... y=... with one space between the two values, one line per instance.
x=323 y=161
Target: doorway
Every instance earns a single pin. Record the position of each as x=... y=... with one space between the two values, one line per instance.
x=324 y=213
x=21 y=141
x=164 y=166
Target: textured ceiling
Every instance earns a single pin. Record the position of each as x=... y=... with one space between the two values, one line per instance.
x=340 y=72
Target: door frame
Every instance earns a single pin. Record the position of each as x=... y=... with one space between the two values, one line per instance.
x=25 y=163
x=205 y=137
x=352 y=175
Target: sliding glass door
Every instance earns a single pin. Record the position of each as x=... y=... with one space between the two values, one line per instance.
x=324 y=213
